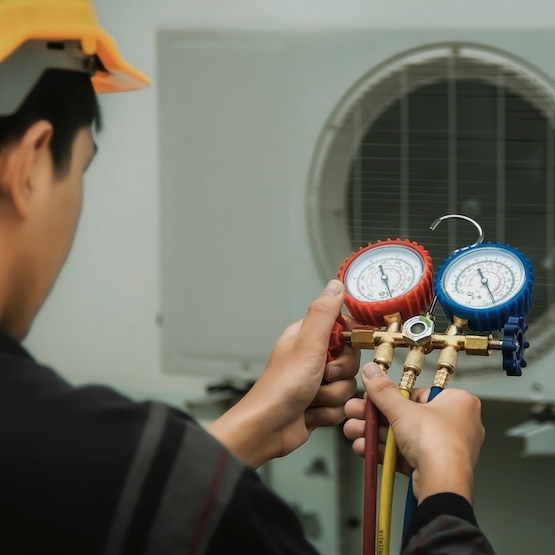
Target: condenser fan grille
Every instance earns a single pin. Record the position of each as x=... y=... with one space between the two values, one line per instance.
x=454 y=130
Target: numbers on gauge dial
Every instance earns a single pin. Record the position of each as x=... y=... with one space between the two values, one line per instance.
x=484 y=278
x=384 y=273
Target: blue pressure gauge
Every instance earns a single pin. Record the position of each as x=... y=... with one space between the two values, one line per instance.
x=485 y=284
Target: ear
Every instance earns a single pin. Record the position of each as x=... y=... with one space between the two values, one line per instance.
x=24 y=164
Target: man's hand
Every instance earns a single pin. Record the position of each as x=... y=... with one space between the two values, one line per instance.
x=441 y=440
x=297 y=391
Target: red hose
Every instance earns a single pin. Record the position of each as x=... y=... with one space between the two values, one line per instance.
x=370 y=479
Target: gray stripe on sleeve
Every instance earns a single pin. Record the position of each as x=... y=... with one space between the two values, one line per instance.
x=199 y=488
x=146 y=450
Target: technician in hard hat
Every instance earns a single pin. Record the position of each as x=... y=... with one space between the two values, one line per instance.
x=85 y=470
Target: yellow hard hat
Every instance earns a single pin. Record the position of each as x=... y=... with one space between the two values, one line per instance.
x=68 y=20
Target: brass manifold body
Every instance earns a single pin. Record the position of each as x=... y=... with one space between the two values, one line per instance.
x=420 y=343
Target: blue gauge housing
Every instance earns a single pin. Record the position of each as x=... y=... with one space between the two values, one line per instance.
x=486 y=318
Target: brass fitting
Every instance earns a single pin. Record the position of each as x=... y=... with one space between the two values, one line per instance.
x=415 y=360
x=387 y=341
x=459 y=325
x=441 y=379
x=384 y=355
x=408 y=380
x=418 y=334
x=412 y=368
x=452 y=342
x=478 y=344
x=360 y=338
x=448 y=359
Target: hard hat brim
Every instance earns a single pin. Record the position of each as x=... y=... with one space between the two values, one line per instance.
x=119 y=75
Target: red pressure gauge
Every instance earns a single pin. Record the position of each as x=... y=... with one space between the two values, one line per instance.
x=385 y=278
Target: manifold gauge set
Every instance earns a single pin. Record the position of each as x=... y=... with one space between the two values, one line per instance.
x=392 y=292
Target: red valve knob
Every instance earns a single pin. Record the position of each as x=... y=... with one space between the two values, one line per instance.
x=336 y=344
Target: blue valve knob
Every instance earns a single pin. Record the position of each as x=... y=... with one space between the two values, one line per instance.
x=513 y=345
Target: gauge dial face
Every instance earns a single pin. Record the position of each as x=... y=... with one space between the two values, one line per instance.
x=483 y=278
x=383 y=273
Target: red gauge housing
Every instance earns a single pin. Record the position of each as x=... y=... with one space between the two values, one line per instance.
x=415 y=301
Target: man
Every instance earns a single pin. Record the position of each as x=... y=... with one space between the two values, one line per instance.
x=85 y=470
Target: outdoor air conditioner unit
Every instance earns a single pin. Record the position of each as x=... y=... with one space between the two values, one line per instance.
x=283 y=152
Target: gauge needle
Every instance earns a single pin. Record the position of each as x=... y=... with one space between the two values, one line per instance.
x=385 y=278
x=485 y=284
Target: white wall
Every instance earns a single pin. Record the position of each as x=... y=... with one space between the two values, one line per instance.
x=100 y=321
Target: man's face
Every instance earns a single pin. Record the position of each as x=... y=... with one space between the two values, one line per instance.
x=61 y=209
x=46 y=237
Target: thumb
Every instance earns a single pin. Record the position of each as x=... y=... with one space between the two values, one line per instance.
x=383 y=392
x=322 y=313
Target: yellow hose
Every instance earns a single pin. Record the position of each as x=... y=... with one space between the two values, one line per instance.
x=386 y=491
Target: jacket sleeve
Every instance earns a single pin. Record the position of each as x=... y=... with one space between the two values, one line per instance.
x=445 y=524
x=257 y=521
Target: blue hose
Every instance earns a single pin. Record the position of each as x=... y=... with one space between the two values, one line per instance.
x=411 y=502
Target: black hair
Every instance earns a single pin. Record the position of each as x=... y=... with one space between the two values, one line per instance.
x=64 y=98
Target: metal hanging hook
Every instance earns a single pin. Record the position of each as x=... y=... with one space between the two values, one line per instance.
x=461 y=217
x=480 y=239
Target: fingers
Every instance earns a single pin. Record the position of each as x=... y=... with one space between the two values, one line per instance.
x=355 y=408
x=319 y=417
x=346 y=365
x=358 y=446
x=420 y=395
x=350 y=322
x=335 y=394
x=354 y=429
x=384 y=393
